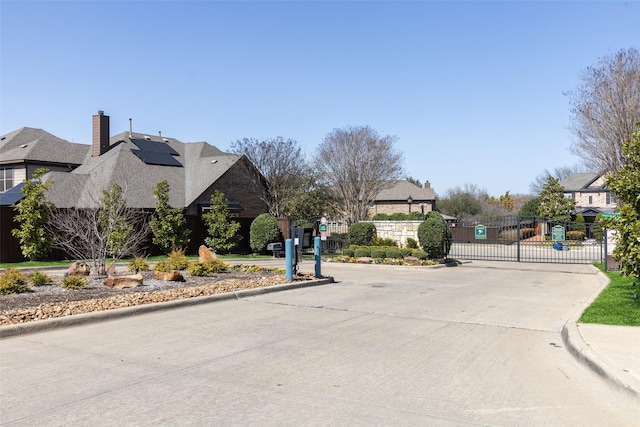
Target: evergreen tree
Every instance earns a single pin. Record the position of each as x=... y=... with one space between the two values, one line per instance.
x=223 y=232
x=625 y=183
x=168 y=224
x=35 y=240
x=554 y=205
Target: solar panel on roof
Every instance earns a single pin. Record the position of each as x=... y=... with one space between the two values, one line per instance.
x=156 y=158
x=158 y=147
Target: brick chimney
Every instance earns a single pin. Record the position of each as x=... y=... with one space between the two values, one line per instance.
x=100 y=144
x=427 y=184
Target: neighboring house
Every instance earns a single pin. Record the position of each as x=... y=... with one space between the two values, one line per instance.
x=589 y=191
x=404 y=197
x=138 y=162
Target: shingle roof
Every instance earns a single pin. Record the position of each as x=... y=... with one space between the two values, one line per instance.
x=401 y=190
x=578 y=181
x=202 y=164
x=38 y=145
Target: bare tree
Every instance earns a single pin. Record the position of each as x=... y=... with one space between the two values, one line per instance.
x=560 y=173
x=106 y=228
x=605 y=110
x=281 y=163
x=358 y=163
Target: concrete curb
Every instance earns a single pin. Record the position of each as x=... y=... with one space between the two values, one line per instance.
x=33 y=327
x=575 y=344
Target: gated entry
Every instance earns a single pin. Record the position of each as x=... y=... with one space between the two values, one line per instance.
x=512 y=238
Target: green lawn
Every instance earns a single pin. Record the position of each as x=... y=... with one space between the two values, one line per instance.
x=615 y=305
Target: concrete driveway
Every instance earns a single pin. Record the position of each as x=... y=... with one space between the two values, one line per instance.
x=472 y=345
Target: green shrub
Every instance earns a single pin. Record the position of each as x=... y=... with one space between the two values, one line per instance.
x=379 y=241
x=197 y=268
x=434 y=236
x=264 y=230
x=362 y=252
x=406 y=252
x=163 y=266
x=394 y=253
x=348 y=252
x=74 y=282
x=414 y=216
x=378 y=253
x=38 y=278
x=12 y=282
x=381 y=217
x=598 y=228
x=420 y=254
x=362 y=233
x=412 y=243
x=215 y=266
x=398 y=216
x=575 y=235
x=138 y=264
x=578 y=223
x=178 y=260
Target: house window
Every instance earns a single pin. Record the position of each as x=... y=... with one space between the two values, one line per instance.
x=590 y=200
x=6 y=178
x=610 y=198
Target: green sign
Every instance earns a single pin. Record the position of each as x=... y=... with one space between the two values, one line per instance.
x=323 y=228
x=614 y=215
x=557 y=233
x=481 y=232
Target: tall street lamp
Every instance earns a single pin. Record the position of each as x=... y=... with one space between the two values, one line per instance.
x=409 y=200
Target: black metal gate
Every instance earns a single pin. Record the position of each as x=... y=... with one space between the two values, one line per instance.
x=513 y=238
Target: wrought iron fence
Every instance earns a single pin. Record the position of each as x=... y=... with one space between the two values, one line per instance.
x=513 y=238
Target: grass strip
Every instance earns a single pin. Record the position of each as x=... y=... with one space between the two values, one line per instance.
x=616 y=304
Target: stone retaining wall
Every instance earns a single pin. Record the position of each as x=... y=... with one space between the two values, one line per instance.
x=397 y=230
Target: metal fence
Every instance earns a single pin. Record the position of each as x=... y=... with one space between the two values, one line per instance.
x=513 y=238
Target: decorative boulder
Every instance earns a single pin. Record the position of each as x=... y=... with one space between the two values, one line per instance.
x=206 y=254
x=364 y=260
x=78 y=268
x=169 y=276
x=412 y=260
x=121 y=282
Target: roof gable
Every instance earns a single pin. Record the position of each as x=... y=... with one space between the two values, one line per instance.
x=401 y=190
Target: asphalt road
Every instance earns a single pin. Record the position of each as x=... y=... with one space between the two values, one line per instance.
x=473 y=345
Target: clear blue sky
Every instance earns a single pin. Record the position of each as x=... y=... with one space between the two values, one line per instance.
x=472 y=90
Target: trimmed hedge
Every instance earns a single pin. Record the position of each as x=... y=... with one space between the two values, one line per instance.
x=435 y=236
x=362 y=233
x=264 y=230
x=362 y=252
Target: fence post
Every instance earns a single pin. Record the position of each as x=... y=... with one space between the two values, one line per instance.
x=288 y=252
x=518 y=239
x=317 y=254
x=606 y=251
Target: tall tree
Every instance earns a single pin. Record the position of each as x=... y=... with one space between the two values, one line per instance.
x=461 y=202
x=554 y=205
x=625 y=183
x=281 y=163
x=168 y=224
x=223 y=232
x=110 y=229
x=33 y=209
x=357 y=163
x=605 y=109
x=561 y=173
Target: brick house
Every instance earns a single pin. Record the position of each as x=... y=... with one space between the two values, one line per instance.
x=404 y=197
x=590 y=192
x=137 y=162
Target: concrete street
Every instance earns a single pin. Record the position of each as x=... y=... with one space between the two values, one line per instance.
x=477 y=344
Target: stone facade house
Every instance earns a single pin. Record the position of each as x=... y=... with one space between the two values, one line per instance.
x=138 y=162
x=404 y=197
x=590 y=192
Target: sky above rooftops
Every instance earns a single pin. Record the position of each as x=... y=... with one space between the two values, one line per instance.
x=472 y=90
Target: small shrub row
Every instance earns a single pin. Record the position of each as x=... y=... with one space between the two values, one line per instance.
x=138 y=264
x=74 y=282
x=211 y=266
x=398 y=216
x=378 y=252
x=13 y=282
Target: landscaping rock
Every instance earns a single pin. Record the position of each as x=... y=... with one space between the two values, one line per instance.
x=121 y=282
x=206 y=254
x=78 y=268
x=411 y=260
x=170 y=276
x=364 y=260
